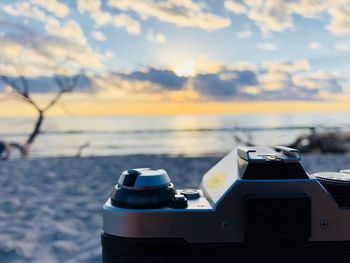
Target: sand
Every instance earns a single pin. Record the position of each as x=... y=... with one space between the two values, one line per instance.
x=50 y=208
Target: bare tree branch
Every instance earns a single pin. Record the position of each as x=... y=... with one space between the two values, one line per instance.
x=11 y=83
x=82 y=148
x=65 y=109
x=53 y=101
x=21 y=92
x=66 y=84
x=25 y=86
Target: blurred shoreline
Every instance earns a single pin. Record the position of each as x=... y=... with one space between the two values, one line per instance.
x=173 y=135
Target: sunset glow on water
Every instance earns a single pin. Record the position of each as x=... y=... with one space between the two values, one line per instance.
x=191 y=135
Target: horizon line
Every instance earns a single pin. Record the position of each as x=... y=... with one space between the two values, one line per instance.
x=113 y=108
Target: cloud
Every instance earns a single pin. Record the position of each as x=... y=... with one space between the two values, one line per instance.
x=53 y=26
x=125 y=21
x=42 y=53
x=224 y=85
x=101 y=18
x=165 y=78
x=266 y=46
x=109 y=54
x=98 y=35
x=26 y=10
x=64 y=39
x=88 y=6
x=156 y=37
x=340 y=20
x=181 y=13
x=314 y=45
x=53 y=6
x=235 y=7
x=93 y=7
x=290 y=67
x=278 y=15
x=251 y=91
x=274 y=80
x=244 y=34
x=321 y=80
x=311 y=9
x=295 y=80
x=269 y=15
x=45 y=84
x=343 y=45
x=69 y=30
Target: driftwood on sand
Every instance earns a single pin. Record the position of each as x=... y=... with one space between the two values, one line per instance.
x=320 y=141
x=6 y=147
x=323 y=141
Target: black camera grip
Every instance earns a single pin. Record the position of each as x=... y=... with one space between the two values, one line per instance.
x=130 y=250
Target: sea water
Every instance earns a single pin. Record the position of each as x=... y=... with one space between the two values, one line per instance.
x=189 y=135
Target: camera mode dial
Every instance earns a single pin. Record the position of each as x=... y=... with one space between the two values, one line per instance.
x=337 y=184
x=143 y=188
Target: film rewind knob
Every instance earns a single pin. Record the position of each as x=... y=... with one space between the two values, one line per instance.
x=143 y=188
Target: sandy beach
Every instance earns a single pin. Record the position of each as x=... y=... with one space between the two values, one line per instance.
x=50 y=208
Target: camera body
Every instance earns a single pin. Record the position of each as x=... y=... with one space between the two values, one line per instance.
x=254 y=200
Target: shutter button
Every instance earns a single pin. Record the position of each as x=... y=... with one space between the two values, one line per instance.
x=179 y=201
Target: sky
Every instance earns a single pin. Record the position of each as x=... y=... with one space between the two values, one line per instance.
x=184 y=56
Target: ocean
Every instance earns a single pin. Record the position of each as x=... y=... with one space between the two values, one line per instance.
x=189 y=135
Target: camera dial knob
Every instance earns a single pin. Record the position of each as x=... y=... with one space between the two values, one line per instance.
x=337 y=184
x=144 y=178
x=143 y=188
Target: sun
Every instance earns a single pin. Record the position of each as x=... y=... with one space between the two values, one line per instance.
x=186 y=69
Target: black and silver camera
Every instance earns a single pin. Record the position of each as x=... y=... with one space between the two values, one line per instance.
x=256 y=200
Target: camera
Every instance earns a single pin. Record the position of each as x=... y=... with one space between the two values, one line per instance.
x=255 y=201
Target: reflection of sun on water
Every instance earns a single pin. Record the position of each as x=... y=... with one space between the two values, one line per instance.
x=185 y=141
x=186 y=69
